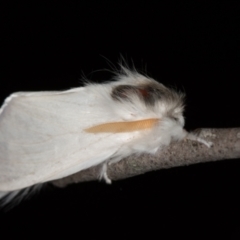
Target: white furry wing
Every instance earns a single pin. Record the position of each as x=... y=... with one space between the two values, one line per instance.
x=42 y=136
x=50 y=135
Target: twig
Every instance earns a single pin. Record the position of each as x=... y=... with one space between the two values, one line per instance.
x=226 y=145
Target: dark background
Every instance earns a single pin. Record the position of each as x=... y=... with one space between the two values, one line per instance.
x=190 y=45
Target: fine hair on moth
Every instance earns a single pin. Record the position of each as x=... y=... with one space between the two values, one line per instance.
x=46 y=136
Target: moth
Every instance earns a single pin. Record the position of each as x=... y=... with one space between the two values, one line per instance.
x=50 y=135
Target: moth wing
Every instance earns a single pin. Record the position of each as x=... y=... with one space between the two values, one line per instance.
x=42 y=137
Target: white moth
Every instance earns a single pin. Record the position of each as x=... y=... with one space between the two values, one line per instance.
x=50 y=135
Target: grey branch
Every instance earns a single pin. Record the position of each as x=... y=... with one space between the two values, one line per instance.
x=226 y=145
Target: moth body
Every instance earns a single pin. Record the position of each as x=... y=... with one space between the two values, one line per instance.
x=50 y=135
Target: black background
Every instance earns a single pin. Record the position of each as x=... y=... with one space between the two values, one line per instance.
x=190 y=45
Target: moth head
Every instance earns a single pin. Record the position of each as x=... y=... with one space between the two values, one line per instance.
x=152 y=95
x=177 y=116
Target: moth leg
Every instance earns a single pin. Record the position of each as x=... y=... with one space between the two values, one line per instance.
x=194 y=137
x=103 y=173
x=114 y=160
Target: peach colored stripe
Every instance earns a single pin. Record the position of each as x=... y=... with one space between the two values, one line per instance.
x=121 y=127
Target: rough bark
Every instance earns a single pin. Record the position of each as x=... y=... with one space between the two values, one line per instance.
x=226 y=145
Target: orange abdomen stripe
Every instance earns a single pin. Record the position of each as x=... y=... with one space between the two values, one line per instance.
x=121 y=127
